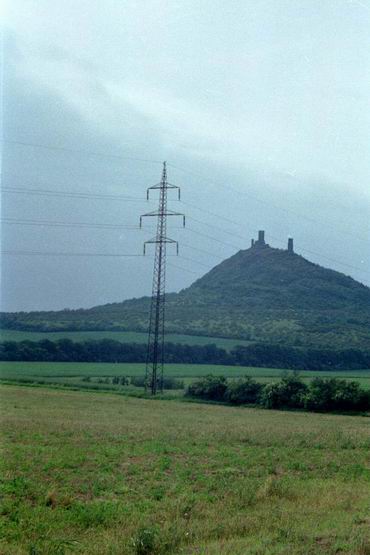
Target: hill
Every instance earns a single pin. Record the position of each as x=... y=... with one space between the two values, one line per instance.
x=259 y=294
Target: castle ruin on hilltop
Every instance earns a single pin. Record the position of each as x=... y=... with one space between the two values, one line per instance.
x=261 y=243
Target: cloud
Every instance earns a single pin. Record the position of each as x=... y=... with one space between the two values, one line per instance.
x=268 y=98
x=279 y=90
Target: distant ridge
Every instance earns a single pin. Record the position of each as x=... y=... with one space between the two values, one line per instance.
x=258 y=294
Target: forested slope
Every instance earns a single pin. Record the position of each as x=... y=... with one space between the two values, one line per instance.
x=259 y=294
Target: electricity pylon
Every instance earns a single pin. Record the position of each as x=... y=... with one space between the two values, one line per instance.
x=155 y=351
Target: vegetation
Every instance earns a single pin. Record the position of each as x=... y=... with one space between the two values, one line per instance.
x=121 y=336
x=212 y=388
x=111 y=475
x=244 y=391
x=258 y=295
x=320 y=394
x=108 y=350
x=167 y=382
x=76 y=373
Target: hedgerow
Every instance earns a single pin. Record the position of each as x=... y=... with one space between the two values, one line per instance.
x=320 y=394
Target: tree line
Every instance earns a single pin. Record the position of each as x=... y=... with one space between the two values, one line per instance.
x=256 y=354
x=320 y=394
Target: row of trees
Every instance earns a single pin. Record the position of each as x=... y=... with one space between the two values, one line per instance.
x=257 y=354
x=321 y=394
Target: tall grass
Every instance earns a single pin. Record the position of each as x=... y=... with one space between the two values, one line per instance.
x=104 y=474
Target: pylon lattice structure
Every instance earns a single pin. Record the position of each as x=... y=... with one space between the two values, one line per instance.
x=155 y=352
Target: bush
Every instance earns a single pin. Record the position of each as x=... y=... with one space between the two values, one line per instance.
x=137 y=381
x=288 y=393
x=334 y=394
x=243 y=391
x=212 y=388
x=172 y=383
x=168 y=382
x=322 y=394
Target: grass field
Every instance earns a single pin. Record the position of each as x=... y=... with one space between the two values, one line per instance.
x=122 y=336
x=107 y=475
x=73 y=372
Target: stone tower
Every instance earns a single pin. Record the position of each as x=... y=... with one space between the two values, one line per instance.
x=260 y=242
x=261 y=238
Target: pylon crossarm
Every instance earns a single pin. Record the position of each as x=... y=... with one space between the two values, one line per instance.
x=155 y=351
x=162 y=186
x=172 y=213
x=164 y=240
x=166 y=213
x=154 y=213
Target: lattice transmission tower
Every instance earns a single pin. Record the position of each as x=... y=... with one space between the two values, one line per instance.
x=155 y=352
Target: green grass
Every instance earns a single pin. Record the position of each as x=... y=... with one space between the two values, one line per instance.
x=121 y=336
x=103 y=474
x=59 y=370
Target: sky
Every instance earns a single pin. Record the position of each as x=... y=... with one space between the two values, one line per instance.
x=260 y=108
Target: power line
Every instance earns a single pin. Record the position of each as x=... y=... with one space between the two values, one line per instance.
x=133 y=199
x=194 y=261
x=120 y=197
x=83 y=152
x=46 y=223
x=336 y=261
x=301 y=249
x=88 y=225
x=70 y=194
x=200 y=250
x=212 y=238
x=181 y=268
x=273 y=205
x=53 y=253
x=138 y=199
x=219 y=228
x=82 y=225
x=75 y=194
x=272 y=237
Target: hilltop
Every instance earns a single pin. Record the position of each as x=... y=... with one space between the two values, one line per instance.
x=258 y=294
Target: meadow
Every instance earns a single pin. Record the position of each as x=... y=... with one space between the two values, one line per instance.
x=106 y=474
x=72 y=373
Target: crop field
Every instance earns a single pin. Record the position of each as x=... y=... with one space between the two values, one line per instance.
x=71 y=373
x=104 y=474
x=121 y=336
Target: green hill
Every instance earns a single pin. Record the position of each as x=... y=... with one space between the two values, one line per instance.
x=258 y=294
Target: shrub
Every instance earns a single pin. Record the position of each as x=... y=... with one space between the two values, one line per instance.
x=335 y=394
x=138 y=381
x=168 y=382
x=288 y=393
x=330 y=394
x=172 y=383
x=243 y=391
x=212 y=388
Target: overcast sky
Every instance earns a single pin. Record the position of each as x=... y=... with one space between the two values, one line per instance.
x=261 y=109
